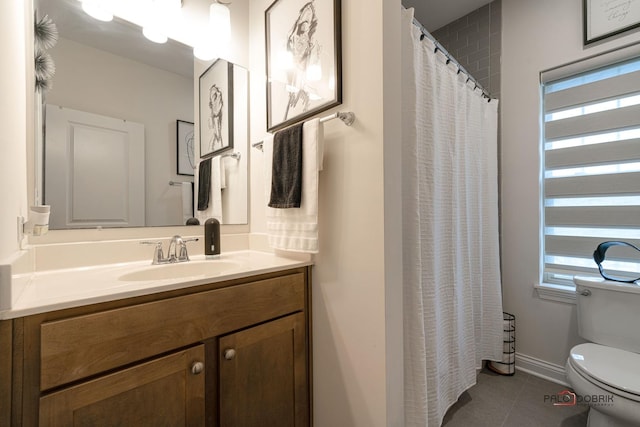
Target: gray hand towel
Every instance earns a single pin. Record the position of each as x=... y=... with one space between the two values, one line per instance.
x=286 y=175
x=204 y=184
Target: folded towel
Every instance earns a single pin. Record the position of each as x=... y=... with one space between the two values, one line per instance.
x=204 y=184
x=223 y=172
x=187 y=201
x=297 y=229
x=286 y=168
x=216 y=189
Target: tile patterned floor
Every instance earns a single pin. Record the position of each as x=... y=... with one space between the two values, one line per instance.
x=516 y=401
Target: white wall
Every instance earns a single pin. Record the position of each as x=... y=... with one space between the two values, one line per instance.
x=99 y=82
x=537 y=35
x=16 y=89
x=349 y=288
x=392 y=101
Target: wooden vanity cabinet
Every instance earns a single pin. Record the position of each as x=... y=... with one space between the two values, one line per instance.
x=234 y=353
x=167 y=391
x=263 y=376
x=6 y=364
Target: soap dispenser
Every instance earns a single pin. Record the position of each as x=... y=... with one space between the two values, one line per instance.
x=212 y=238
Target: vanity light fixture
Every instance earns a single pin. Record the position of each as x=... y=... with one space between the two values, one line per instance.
x=98 y=9
x=216 y=36
x=220 y=21
x=152 y=32
x=159 y=14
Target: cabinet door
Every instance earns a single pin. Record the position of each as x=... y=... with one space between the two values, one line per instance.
x=168 y=391
x=263 y=375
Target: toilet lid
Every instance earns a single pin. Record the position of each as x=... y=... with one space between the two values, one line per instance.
x=616 y=368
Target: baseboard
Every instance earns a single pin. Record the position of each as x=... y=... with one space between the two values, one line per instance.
x=540 y=368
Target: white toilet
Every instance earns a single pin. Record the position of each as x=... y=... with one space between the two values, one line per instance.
x=605 y=373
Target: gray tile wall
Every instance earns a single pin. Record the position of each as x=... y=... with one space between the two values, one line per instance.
x=475 y=42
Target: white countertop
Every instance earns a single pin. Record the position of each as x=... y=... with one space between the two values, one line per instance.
x=58 y=289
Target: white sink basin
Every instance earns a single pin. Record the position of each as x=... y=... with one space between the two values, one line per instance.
x=188 y=269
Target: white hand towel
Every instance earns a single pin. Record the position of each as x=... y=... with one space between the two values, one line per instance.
x=223 y=172
x=187 y=201
x=296 y=229
x=216 y=189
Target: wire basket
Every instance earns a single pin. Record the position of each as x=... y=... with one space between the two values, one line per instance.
x=508 y=364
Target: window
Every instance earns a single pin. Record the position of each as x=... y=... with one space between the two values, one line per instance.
x=590 y=166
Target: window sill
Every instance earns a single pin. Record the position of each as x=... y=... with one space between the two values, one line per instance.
x=560 y=293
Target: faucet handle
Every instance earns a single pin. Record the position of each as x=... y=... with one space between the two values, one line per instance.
x=184 y=256
x=158 y=255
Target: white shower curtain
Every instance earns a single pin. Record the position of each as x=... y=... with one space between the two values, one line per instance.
x=452 y=291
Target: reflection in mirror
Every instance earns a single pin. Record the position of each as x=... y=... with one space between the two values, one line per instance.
x=227 y=172
x=110 y=128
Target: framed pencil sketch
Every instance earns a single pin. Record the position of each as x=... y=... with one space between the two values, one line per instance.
x=216 y=109
x=606 y=18
x=303 y=59
x=184 y=145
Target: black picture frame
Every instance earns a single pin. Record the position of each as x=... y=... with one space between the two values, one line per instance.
x=607 y=18
x=185 y=158
x=303 y=47
x=216 y=109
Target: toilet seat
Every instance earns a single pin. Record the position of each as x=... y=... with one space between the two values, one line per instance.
x=610 y=368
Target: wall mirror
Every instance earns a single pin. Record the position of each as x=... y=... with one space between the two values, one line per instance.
x=112 y=86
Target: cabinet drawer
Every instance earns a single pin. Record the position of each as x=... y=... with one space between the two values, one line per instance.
x=82 y=346
x=164 y=391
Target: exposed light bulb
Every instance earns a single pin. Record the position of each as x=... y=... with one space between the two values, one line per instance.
x=158 y=17
x=215 y=38
x=151 y=32
x=97 y=9
x=220 y=23
x=170 y=6
x=205 y=50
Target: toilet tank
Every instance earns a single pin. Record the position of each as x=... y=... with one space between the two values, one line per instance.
x=609 y=312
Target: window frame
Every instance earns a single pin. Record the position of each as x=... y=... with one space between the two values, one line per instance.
x=545 y=290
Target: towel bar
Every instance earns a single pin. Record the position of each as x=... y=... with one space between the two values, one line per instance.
x=177 y=183
x=235 y=155
x=347 y=118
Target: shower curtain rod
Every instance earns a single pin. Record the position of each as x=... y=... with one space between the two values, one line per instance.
x=461 y=69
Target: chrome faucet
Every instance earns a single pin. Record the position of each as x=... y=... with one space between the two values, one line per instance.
x=177 y=251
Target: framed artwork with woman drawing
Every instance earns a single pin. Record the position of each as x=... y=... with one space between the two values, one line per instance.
x=304 y=60
x=216 y=109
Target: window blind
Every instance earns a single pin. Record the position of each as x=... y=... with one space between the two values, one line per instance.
x=590 y=169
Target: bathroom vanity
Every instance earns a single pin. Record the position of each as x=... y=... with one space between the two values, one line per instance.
x=232 y=351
